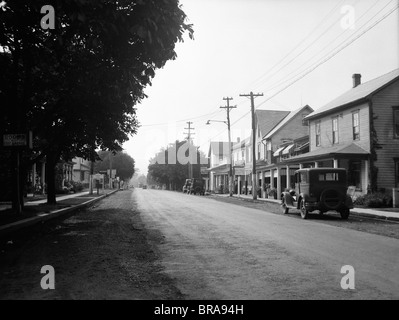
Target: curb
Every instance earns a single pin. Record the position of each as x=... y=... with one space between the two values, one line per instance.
x=42 y=217
x=353 y=211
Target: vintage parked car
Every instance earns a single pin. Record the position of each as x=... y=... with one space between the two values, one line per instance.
x=195 y=186
x=322 y=189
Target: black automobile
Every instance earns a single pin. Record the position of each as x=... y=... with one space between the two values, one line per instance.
x=322 y=189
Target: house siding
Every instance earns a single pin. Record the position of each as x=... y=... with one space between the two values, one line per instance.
x=345 y=134
x=382 y=104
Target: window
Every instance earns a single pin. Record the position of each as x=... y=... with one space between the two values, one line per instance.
x=82 y=176
x=220 y=157
x=355 y=125
x=242 y=155
x=335 y=130
x=318 y=134
x=259 y=150
x=396 y=122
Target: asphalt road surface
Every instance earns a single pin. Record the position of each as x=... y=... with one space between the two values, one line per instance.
x=155 y=244
x=218 y=250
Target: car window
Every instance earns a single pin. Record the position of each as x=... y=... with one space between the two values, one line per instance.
x=328 y=176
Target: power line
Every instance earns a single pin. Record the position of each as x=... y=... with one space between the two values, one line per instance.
x=330 y=42
x=322 y=21
x=330 y=56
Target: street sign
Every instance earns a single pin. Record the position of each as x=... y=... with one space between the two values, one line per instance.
x=17 y=140
x=204 y=170
x=98 y=176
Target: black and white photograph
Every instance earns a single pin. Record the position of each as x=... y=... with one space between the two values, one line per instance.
x=199 y=157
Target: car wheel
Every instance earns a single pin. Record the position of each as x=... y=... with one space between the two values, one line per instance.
x=344 y=213
x=304 y=211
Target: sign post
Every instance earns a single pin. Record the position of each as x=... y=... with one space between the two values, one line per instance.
x=18 y=142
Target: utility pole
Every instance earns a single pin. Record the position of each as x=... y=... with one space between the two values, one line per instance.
x=189 y=133
x=228 y=107
x=254 y=180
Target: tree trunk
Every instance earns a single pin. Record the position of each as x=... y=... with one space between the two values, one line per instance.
x=51 y=161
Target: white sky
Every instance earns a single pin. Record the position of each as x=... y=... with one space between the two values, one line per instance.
x=261 y=46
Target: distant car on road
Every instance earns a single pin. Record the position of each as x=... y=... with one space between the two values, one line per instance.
x=197 y=186
x=186 y=186
x=144 y=186
x=321 y=189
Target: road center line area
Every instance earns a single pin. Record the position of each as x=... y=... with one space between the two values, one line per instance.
x=160 y=245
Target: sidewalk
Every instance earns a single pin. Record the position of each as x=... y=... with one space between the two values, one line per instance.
x=380 y=213
x=39 y=211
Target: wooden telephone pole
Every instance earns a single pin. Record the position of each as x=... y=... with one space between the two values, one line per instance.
x=228 y=107
x=189 y=133
x=254 y=180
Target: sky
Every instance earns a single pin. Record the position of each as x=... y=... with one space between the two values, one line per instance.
x=294 y=52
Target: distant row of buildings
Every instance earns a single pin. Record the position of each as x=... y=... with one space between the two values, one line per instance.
x=359 y=131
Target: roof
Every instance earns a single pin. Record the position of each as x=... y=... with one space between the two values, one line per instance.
x=351 y=149
x=221 y=148
x=222 y=168
x=357 y=94
x=282 y=123
x=268 y=119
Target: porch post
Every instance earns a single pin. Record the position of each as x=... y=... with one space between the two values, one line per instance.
x=271 y=178
x=34 y=175
x=316 y=164
x=366 y=177
x=262 y=185
x=278 y=183
x=335 y=163
x=288 y=177
x=239 y=186
x=43 y=178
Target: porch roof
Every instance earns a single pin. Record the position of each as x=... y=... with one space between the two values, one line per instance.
x=221 y=169
x=351 y=150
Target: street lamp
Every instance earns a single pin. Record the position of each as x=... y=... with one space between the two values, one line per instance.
x=230 y=155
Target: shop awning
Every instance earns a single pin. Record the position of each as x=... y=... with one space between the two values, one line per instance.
x=221 y=169
x=287 y=149
x=277 y=153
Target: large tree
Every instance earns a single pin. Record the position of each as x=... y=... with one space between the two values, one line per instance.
x=76 y=85
x=121 y=161
x=166 y=167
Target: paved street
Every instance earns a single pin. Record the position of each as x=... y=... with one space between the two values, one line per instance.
x=155 y=244
x=223 y=251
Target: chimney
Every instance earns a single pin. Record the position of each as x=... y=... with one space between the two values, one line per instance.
x=356 y=79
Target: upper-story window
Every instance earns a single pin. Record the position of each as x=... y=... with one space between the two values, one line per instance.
x=318 y=134
x=396 y=122
x=259 y=150
x=220 y=157
x=355 y=125
x=335 y=130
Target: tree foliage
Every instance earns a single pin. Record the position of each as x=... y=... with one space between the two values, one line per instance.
x=121 y=161
x=76 y=86
x=169 y=170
